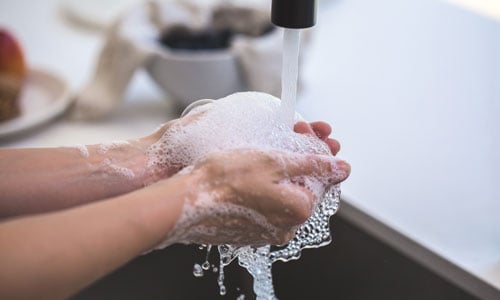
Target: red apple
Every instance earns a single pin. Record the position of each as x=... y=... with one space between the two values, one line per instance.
x=12 y=72
x=12 y=62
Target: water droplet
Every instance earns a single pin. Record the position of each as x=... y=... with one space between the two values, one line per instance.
x=197 y=271
x=222 y=290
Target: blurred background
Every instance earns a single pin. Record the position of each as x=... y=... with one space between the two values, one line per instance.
x=412 y=90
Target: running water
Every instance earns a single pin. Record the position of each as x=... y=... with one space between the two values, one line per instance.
x=290 y=74
x=314 y=233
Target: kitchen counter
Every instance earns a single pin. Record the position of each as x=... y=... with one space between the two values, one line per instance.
x=412 y=89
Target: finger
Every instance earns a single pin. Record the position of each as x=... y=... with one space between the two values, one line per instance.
x=334 y=145
x=303 y=128
x=321 y=129
x=191 y=117
x=328 y=169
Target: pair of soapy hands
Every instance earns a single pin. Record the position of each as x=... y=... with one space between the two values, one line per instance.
x=239 y=197
x=251 y=197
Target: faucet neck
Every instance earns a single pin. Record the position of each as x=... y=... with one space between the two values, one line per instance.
x=293 y=13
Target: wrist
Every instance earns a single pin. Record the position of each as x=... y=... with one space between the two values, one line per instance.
x=130 y=161
x=161 y=208
x=150 y=170
x=121 y=164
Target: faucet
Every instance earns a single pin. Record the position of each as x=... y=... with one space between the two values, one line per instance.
x=293 y=13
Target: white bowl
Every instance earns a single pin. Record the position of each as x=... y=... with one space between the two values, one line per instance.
x=191 y=75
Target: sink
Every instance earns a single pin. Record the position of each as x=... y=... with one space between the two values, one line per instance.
x=355 y=266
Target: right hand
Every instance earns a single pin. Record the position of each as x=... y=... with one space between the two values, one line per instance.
x=253 y=197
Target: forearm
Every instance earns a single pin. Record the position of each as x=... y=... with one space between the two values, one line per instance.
x=51 y=256
x=41 y=180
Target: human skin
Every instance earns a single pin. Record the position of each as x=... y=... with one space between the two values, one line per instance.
x=49 y=179
x=54 y=254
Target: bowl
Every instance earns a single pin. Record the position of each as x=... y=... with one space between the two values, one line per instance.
x=191 y=75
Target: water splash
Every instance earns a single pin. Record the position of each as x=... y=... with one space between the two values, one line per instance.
x=314 y=233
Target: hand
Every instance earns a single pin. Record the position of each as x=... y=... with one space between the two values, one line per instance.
x=253 y=197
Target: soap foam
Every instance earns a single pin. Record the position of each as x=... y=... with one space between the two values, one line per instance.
x=84 y=152
x=241 y=120
x=189 y=227
x=112 y=168
x=105 y=147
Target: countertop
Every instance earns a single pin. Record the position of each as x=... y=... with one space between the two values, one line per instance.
x=412 y=89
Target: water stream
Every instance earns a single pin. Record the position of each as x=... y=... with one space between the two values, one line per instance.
x=290 y=74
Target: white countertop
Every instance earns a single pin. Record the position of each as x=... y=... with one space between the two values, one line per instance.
x=412 y=89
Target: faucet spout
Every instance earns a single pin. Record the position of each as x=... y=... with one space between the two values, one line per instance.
x=293 y=13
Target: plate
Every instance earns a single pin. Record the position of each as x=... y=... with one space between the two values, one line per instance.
x=44 y=96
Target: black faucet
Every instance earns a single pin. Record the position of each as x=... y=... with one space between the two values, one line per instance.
x=293 y=13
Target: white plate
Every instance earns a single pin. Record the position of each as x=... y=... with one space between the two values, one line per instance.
x=44 y=97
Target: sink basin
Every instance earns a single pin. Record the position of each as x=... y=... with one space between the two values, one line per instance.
x=355 y=266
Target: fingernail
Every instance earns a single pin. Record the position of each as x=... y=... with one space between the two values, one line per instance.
x=342 y=169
